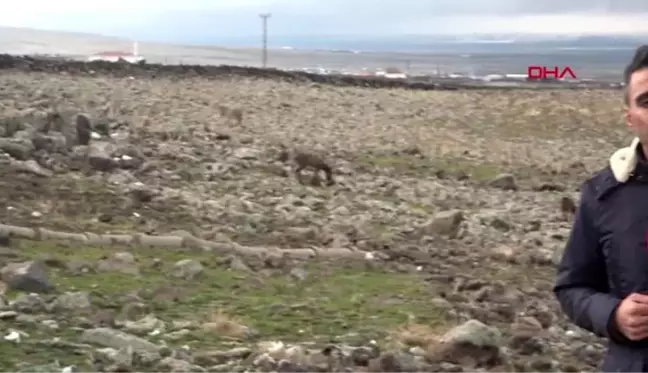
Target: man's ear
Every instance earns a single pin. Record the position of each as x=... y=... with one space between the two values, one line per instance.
x=627 y=116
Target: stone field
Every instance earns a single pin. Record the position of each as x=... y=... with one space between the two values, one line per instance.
x=169 y=236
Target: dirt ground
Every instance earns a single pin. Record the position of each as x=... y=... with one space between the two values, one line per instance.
x=457 y=193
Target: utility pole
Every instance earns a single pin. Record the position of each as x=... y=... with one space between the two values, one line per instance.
x=264 y=18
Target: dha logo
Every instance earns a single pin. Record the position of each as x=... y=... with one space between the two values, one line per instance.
x=549 y=73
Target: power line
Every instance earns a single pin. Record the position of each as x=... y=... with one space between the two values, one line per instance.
x=264 y=58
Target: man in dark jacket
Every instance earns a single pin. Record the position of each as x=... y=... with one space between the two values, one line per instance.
x=602 y=282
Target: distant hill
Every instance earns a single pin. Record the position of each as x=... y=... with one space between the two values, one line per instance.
x=25 y=40
x=21 y=41
x=487 y=43
x=601 y=56
x=15 y=40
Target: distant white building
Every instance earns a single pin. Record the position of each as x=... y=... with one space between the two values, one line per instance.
x=395 y=75
x=491 y=77
x=516 y=76
x=116 y=56
x=392 y=73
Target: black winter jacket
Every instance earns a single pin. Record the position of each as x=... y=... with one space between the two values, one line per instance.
x=606 y=259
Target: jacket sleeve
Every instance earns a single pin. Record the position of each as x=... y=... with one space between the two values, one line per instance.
x=582 y=282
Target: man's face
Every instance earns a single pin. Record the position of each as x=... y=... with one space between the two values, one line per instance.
x=637 y=111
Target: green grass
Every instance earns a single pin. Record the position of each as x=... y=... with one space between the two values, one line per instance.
x=408 y=165
x=76 y=204
x=334 y=300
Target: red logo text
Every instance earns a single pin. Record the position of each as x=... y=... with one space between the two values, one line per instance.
x=550 y=73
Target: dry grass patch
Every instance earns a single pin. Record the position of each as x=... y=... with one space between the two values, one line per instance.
x=225 y=325
x=416 y=335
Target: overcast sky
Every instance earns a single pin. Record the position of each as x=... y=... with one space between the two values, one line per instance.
x=168 y=18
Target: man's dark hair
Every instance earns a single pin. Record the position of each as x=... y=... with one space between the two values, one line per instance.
x=639 y=62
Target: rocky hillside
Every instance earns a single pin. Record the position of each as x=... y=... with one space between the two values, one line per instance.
x=148 y=70
x=161 y=231
x=224 y=72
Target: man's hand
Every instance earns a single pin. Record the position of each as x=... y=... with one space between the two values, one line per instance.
x=632 y=317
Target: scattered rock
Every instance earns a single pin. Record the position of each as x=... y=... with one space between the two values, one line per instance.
x=116 y=339
x=122 y=262
x=445 y=223
x=504 y=182
x=188 y=269
x=83 y=129
x=29 y=277
x=71 y=301
x=470 y=344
